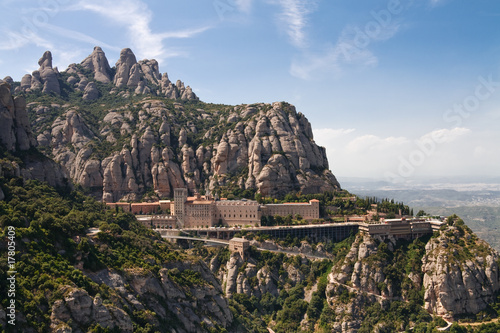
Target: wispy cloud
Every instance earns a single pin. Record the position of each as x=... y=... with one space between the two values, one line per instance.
x=375 y=143
x=435 y=3
x=351 y=49
x=14 y=40
x=187 y=33
x=78 y=36
x=243 y=5
x=294 y=19
x=349 y=151
x=136 y=17
x=445 y=135
x=332 y=133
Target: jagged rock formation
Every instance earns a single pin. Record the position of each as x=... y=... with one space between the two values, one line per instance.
x=15 y=131
x=269 y=148
x=457 y=271
x=193 y=306
x=141 y=77
x=127 y=147
x=370 y=273
x=359 y=270
x=243 y=277
x=90 y=92
x=83 y=309
x=48 y=75
x=461 y=273
x=45 y=78
x=98 y=63
x=16 y=136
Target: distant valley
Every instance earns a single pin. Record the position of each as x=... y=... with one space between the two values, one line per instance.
x=476 y=201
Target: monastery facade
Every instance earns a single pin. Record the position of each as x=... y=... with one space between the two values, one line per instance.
x=203 y=211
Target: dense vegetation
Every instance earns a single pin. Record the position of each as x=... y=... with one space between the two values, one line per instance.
x=51 y=240
x=53 y=227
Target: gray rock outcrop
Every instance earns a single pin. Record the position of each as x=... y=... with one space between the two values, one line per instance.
x=98 y=63
x=48 y=75
x=262 y=147
x=16 y=135
x=90 y=93
x=80 y=309
x=141 y=77
x=458 y=272
x=124 y=66
x=15 y=130
x=193 y=305
x=459 y=277
x=244 y=277
x=273 y=146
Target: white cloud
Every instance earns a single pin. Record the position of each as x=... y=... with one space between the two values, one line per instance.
x=136 y=17
x=329 y=133
x=445 y=135
x=293 y=19
x=16 y=40
x=186 y=33
x=373 y=143
x=78 y=36
x=351 y=49
x=438 y=152
x=244 y=5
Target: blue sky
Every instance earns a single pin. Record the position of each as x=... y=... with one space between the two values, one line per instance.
x=396 y=89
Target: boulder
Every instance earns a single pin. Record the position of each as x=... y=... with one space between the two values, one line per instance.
x=90 y=93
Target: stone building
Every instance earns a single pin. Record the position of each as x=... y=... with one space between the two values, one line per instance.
x=237 y=212
x=125 y=206
x=144 y=207
x=240 y=245
x=401 y=228
x=160 y=222
x=308 y=211
x=180 y=197
x=205 y=212
x=199 y=213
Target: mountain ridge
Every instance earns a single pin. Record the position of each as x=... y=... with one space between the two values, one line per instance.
x=127 y=131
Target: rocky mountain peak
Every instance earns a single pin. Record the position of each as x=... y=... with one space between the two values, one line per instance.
x=46 y=77
x=141 y=77
x=126 y=69
x=98 y=63
x=259 y=147
x=45 y=61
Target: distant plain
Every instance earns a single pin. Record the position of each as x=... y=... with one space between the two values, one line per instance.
x=476 y=201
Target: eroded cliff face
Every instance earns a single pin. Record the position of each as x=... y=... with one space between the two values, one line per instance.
x=248 y=277
x=16 y=137
x=15 y=130
x=161 y=145
x=453 y=273
x=461 y=273
x=386 y=269
x=185 y=308
x=128 y=130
